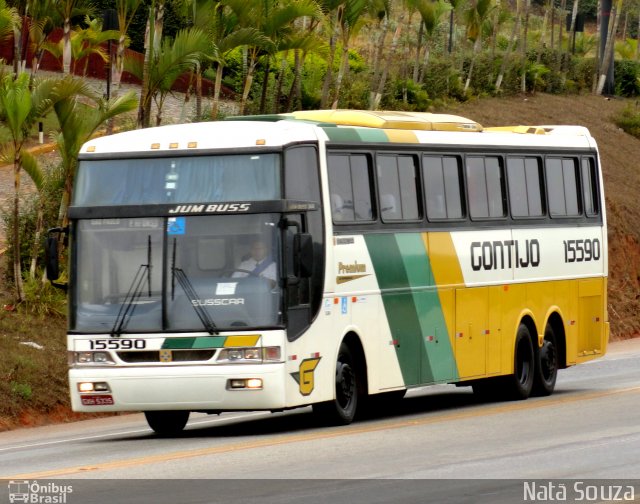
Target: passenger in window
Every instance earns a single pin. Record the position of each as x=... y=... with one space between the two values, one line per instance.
x=337 y=207
x=388 y=206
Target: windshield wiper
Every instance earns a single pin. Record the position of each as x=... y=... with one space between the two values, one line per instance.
x=128 y=306
x=190 y=291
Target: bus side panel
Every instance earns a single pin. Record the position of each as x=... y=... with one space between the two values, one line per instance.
x=412 y=307
x=357 y=307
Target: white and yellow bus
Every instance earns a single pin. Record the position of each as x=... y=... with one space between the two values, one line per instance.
x=403 y=249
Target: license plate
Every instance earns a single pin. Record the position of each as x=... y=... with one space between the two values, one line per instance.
x=97 y=400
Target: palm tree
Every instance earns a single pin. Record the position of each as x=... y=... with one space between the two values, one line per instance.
x=8 y=20
x=274 y=20
x=22 y=105
x=68 y=9
x=431 y=13
x=42 y=21
x=90 y=40
x=512 y=39
x=172 y=60
x=226 y=34
x=476 y=15
x=349 y=14
x=78 y=123
x=126 y=10
x=282 y=28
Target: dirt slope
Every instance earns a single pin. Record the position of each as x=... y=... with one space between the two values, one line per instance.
x=620 y=155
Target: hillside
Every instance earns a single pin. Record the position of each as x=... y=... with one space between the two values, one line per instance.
x=620 y=155
x=33 y=381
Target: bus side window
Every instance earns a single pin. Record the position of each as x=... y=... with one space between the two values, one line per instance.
x=562 y=180
x=350 y=187
x=589 y=187
x=486 y=187
x=442 y=179
x=398 y=186
x=525 y=186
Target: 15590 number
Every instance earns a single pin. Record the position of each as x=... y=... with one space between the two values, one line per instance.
x=118 y=344
x=581 y=250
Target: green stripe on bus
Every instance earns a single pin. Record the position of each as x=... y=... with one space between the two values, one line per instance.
x=398 y=305
x=439 y=364
x=189 y=343
x=336 y=134
x=372 y=135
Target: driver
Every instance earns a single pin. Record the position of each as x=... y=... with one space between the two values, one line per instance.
x=259 y=263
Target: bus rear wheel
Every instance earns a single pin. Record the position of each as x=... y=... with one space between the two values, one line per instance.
x=342 y=409
x=519 y=385
x=167 y=423
x=546 y=365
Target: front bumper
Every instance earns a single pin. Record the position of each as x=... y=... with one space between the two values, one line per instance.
x=193 y=388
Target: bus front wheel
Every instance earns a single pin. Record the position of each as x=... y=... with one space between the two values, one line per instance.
x=342 y=409
x=167 y=423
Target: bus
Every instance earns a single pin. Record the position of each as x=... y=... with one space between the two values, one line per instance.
x=404 y=249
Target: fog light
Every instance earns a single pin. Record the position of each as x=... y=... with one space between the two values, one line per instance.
x=85 y=387
x=254 y=383
x=242 y=383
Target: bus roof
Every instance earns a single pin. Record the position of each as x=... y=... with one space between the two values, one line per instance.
x=422 y=121
x=339 y=126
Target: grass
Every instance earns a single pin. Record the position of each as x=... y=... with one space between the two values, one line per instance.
x=33 y=365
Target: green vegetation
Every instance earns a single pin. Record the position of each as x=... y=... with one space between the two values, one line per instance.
x=629 y=119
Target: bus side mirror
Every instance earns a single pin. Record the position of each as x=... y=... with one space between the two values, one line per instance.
x=303 y=255
x=51 y=258
x=52 y=262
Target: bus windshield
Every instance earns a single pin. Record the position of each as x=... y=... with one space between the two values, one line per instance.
x=191 y=179
x=187 y=273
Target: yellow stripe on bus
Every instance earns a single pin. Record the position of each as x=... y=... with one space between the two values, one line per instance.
x=249 y=340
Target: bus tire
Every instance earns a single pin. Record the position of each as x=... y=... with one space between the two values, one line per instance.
x=518 y=386
x=546 y=365
x=342 y=409
x=167 y=423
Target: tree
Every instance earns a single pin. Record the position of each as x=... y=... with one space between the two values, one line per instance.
x=22 y=105
x=174 y=58
x=226 y=34
x=42 y=21
x=78 y=123
x=349 y=14
x=67 y=9
x=475 y=17
x=608 y=50
x=126 y=10
x=9 y=19
x=275 y=21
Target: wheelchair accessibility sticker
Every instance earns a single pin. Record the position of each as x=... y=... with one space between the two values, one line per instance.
x=176 y=225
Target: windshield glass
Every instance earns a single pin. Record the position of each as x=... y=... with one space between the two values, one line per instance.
x=190 y=273
x=190 y=179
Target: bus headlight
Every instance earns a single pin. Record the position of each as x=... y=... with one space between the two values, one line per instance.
x=254 y=355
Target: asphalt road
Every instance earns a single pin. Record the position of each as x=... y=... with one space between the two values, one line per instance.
x=438 y=445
